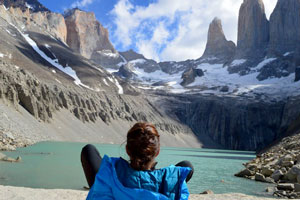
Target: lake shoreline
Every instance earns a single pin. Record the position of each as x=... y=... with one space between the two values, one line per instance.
x=220 y=180
x=15 y=193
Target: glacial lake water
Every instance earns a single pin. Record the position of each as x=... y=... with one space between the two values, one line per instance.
x=57 y=165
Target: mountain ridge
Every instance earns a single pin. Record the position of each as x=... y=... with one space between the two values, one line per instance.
x=217 y=101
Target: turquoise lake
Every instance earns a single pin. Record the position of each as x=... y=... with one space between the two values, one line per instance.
x=57 y=165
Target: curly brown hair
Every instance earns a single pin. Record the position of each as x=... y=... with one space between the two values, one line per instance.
x=143 y=145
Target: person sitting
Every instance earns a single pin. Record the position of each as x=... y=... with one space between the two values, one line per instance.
x=115 y=178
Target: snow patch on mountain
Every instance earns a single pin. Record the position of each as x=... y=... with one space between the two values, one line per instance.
x=263 y=63
x=67 y=70
x=13 y=35
x=108 y=53
x=29 y=6
x=217 y=76
x=5 y=7
x=121 y=91
x=238 y=62
x=287 y=53
x=105 y=82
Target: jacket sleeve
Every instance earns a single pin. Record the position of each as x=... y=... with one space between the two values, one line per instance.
x=184 y=192
x=101 y=189
x=103 y=192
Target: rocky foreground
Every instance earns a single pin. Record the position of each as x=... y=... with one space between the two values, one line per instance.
x=281 y=165
x=16 y=193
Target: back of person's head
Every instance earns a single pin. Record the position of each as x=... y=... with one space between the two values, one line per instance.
x=143 y=145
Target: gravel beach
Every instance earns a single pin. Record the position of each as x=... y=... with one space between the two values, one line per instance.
x=20 y=193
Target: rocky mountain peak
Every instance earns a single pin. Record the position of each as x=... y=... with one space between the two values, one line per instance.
x=131 y=55
x=85 y=34
x=32 y=5
x=253 y=29
x=217 y=46
x=285 y=26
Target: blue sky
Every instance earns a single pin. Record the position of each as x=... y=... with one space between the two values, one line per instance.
x=162 y=30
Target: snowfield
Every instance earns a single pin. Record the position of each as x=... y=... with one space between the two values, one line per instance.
x=217 y=77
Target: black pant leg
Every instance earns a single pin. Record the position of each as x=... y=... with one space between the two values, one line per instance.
x=90 y=160
x=186 y=163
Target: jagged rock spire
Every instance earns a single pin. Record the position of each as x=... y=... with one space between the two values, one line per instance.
x=217 y=46
x=285 y=27
x=85 y=34
x=253 y=29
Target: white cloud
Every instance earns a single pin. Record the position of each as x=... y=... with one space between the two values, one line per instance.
x=81 y=4
x=174 y=29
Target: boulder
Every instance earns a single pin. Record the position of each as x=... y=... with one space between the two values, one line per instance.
x=245 y=173
x=2 y=156
x=271 y=189
x=287 y=163
x=189 y=76
x=293 y=173
x=277 y=175
x=269 y=180
x=207 y=192
x=285 y=186
x=224 y=89
x=260 y=177
x=266 y=171
x=252 y=166
x=297 y=187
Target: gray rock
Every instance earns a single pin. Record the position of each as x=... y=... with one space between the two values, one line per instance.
x=293 y=173
x=190 y=75
x=285 y=27
x=207 y=192
x=277 y=175
x=271 y=189
x=2 y=156
x=287 y=163
x=224 y=89
x=260 y=177
x=297 y=187
x=125 y=72
x=245 y=173
x=252 y=166
x=253 y=29
x=297 y=74
x=217 y=47
x=266 y=171
x=131 y=55
x=269 y=180
x=285 y=186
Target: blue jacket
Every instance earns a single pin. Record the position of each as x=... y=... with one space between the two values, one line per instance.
x=117 y=180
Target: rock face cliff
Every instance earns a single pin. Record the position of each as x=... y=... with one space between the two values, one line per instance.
x=85 y=34
x=52 y=22
x=285 y=27
x=237 y=123
x=217 y=46
x=253 y=29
